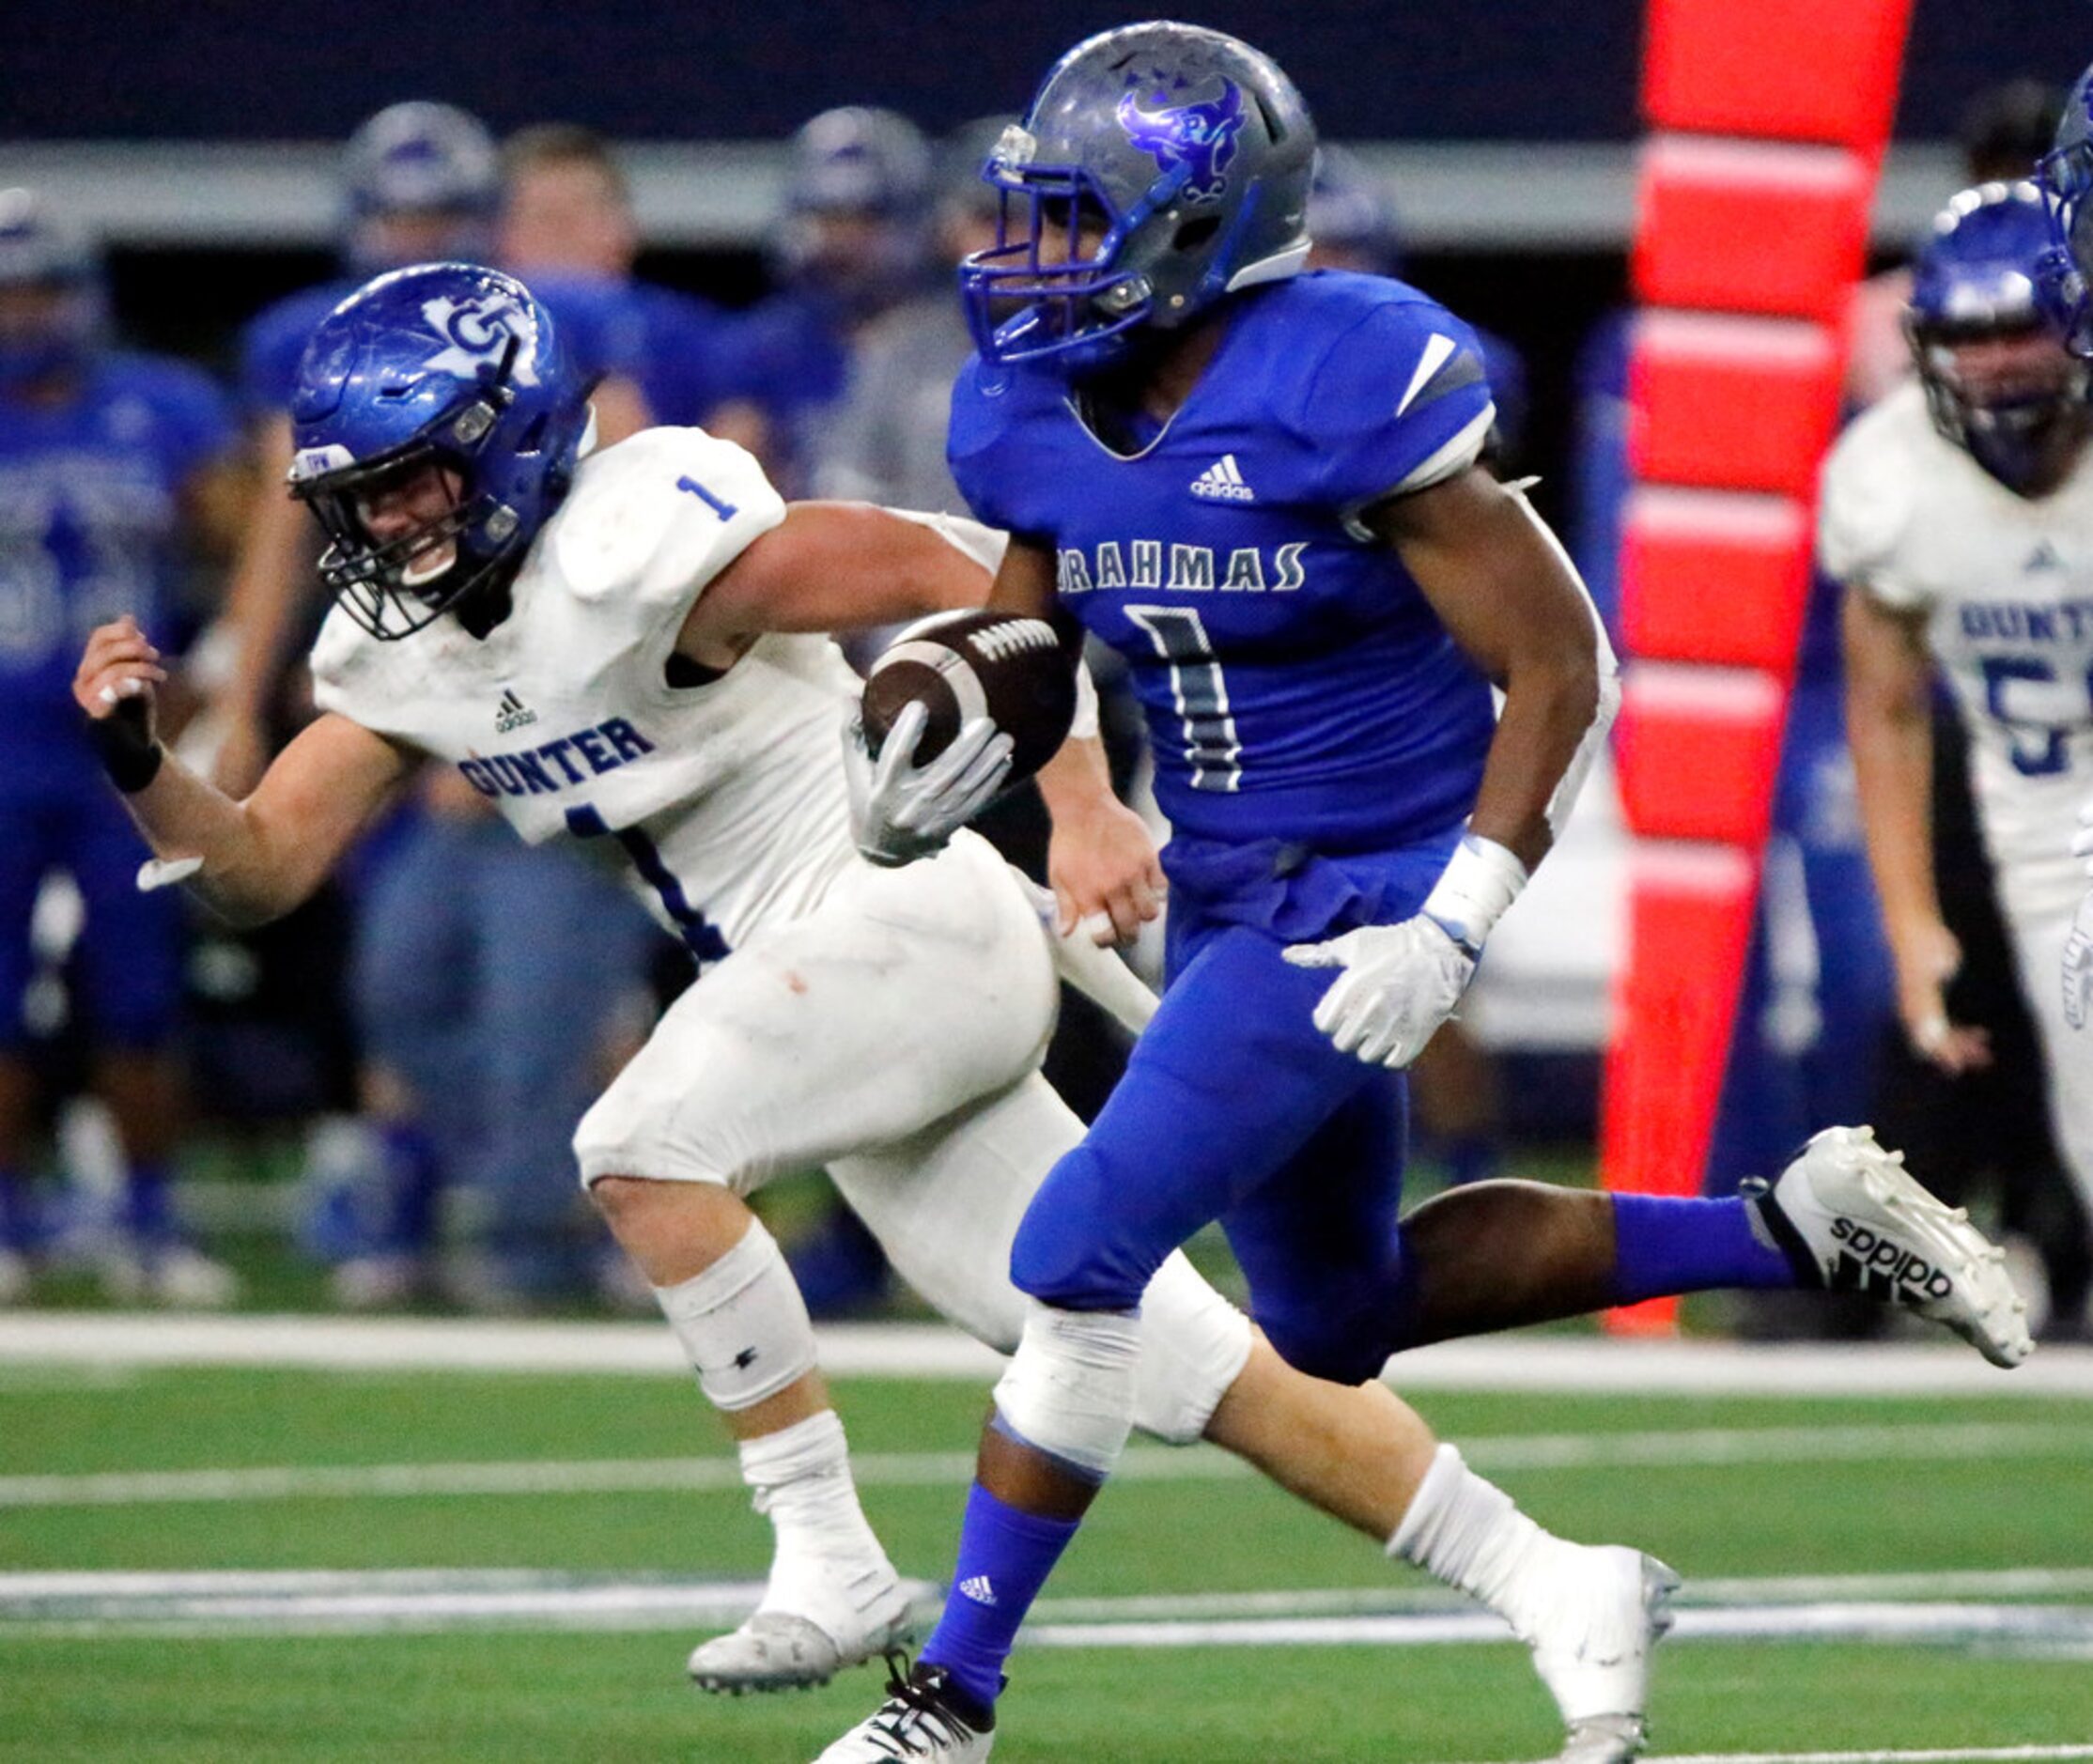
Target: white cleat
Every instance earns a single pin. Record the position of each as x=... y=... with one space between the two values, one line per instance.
x=781 y=1650
x=176 y=1273
x=1591 y=1645
x=1851 y=1210
x=925 y=1717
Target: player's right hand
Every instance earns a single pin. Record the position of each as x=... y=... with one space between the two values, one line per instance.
x=1927 y=957
x=900 y=811
x=118 y=670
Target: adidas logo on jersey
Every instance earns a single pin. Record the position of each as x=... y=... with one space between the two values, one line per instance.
x=976 y=1588
x=511 y=713
x=1222 y=482
x=2045 y=556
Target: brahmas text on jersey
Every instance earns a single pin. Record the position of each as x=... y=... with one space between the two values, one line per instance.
x=89 y=515
x=1297 y=683
x=726 y=796
x=2005 y=586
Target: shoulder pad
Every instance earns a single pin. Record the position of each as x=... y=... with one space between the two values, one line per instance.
x=1870 y=490
x=659 y=515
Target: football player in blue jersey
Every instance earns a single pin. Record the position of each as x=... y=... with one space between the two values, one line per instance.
x=109 y=462
x=1261 y=487
x=854 y=241
x=566 y=217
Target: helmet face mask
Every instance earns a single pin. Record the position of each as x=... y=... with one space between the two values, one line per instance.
x=2065 y=177
x=1161 y=167
x=1998 y=380
x=437 y=427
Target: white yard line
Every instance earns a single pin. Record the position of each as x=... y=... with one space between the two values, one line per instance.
x=336 y=1602
x=1977 y=1441
x=1563 y=1365
x=1951 y=1755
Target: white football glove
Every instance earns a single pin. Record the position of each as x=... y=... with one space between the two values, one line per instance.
x=900 y=811
x=2078 y=966
x=1400 y=983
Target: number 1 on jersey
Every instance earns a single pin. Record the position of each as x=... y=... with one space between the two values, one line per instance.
x=726 y=511
x=1197 y=683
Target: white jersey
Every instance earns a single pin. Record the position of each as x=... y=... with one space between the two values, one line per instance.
x=2005 y=586
x=727 y=796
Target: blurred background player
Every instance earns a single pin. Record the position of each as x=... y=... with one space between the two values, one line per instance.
x=115 y=470
x=566 y=217
x=1957 y=513
x=852 y=243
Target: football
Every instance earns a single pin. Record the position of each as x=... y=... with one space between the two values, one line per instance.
x=962 y=665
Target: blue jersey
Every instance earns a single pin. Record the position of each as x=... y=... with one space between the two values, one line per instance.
x=668 y=344
x=89 y=513
x=1298 y=685
x=790 y=355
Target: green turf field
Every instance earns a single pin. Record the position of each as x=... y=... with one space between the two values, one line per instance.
x=1969 y=1522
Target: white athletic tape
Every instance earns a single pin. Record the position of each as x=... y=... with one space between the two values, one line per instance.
x=1070 y=1388
x=742 y=1323
x=164 y=873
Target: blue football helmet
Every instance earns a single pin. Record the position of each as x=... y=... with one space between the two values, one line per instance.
x=420 y=159
x=1161 y=167
x=39 y=253
x=863 y=164
x=1350 y=214
x=1975 y=282
x=2066 y=173
x=442 y=364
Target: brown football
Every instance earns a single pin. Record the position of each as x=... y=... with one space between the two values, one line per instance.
x=961 y=665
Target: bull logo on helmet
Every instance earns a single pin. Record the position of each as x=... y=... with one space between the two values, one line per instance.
x=1199 y=136
x=476 y=331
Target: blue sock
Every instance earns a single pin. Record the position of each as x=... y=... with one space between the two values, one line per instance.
x=148 y=1206
x=413 y=1179
x=18 y=1213
x=1005 y=1558
x=1664 y=1244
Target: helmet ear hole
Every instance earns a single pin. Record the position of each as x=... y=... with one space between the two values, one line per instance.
x=1194 y=234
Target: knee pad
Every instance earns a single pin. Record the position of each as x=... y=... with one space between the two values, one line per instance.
x=742 y=1323
x=1070 y=1389
x=1194 y=1346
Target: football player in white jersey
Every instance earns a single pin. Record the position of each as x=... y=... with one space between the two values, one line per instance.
x=624 y=646
x=1959 y=513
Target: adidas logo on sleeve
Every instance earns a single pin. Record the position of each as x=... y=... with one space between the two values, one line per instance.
x=1222 y=482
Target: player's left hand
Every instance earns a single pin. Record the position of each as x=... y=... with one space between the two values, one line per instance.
x=2078 y=962
x=900 y=811
x=1400 y=983
x=1105 y=876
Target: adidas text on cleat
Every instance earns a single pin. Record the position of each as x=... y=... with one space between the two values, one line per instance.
x=926 y=1717
x=779 y=1650
x=1592 y=1638
x=1853 y=1219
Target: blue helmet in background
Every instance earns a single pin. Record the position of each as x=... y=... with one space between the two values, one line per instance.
x=863 y=164
x=41 y=252
x=2066 y=173
x=420 y=159
x=442 y=364
x=1182 y=154
x=1350 y=214
x=1976 y=281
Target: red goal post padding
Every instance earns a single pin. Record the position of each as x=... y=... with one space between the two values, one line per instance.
x=1771 y=118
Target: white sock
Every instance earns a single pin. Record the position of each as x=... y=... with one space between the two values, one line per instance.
x=825 y=1547
x=1467 y=1532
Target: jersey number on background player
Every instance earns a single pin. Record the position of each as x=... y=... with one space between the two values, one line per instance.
x=1211 y=744
x=2030 y=684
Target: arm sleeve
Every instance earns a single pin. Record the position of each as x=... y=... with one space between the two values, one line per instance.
x=1864 y=510
x=1399 y=402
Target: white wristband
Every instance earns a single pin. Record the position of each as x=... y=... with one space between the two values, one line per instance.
x=1084 y=727
x=1480 y=881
